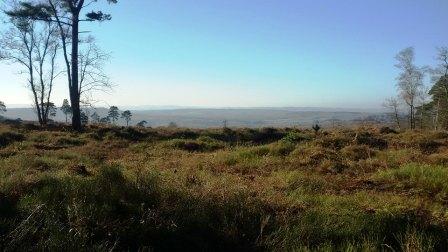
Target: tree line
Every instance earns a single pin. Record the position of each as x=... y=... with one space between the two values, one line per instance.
x=417 y=104
x=112 y=117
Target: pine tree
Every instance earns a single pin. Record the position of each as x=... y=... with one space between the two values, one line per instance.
x=142 y=123
x=439 y=93
x=2 y=107
x=66 y=109
x=126 y=115
x=113 y=114
x=95 y=117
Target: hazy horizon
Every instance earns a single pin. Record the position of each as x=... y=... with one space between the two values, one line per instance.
x=143 y=108
x=235 y=117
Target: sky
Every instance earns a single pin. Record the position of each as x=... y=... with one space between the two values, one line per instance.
x=254 y=53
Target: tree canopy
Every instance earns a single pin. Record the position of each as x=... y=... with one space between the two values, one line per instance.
x=113 y=113
x=126 y=115
x=2 y=107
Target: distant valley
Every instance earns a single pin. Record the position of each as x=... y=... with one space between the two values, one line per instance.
x=234 y=117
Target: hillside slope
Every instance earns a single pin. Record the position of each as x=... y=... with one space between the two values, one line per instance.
x=182 y=189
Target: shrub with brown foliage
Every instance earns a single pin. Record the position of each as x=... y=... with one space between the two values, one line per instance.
x=357 y=152
x=7 y=138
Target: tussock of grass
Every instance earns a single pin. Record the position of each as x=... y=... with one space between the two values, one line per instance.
x=358 y=221
x=296 y=137
x=319 y=159
x=307 y=182
x=335 y=141
x=438 y=158
x=369 y=139
x=358 y=152
x=282 y=148
x=427 y=179
x=202 y=144
x=70 y=141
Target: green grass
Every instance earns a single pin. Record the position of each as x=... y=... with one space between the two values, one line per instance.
x=425 y=179
x=232 y=189
x=202 y=144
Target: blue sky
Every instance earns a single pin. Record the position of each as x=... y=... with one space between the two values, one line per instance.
x=237 y=53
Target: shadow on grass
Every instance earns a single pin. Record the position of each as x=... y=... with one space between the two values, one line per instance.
x=110 y=211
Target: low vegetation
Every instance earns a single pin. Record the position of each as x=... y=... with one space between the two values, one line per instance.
x=111 y=188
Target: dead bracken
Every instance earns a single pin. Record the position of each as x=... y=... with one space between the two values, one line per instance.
x=245 y=189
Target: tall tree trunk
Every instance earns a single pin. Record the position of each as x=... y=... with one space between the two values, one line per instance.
x=42 y=93
x=33 y=89
x=397 y=118
x=74 y=88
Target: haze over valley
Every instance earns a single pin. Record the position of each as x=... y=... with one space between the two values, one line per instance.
x=234 y=117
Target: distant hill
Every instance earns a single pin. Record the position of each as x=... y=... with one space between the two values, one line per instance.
x=235 y=117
